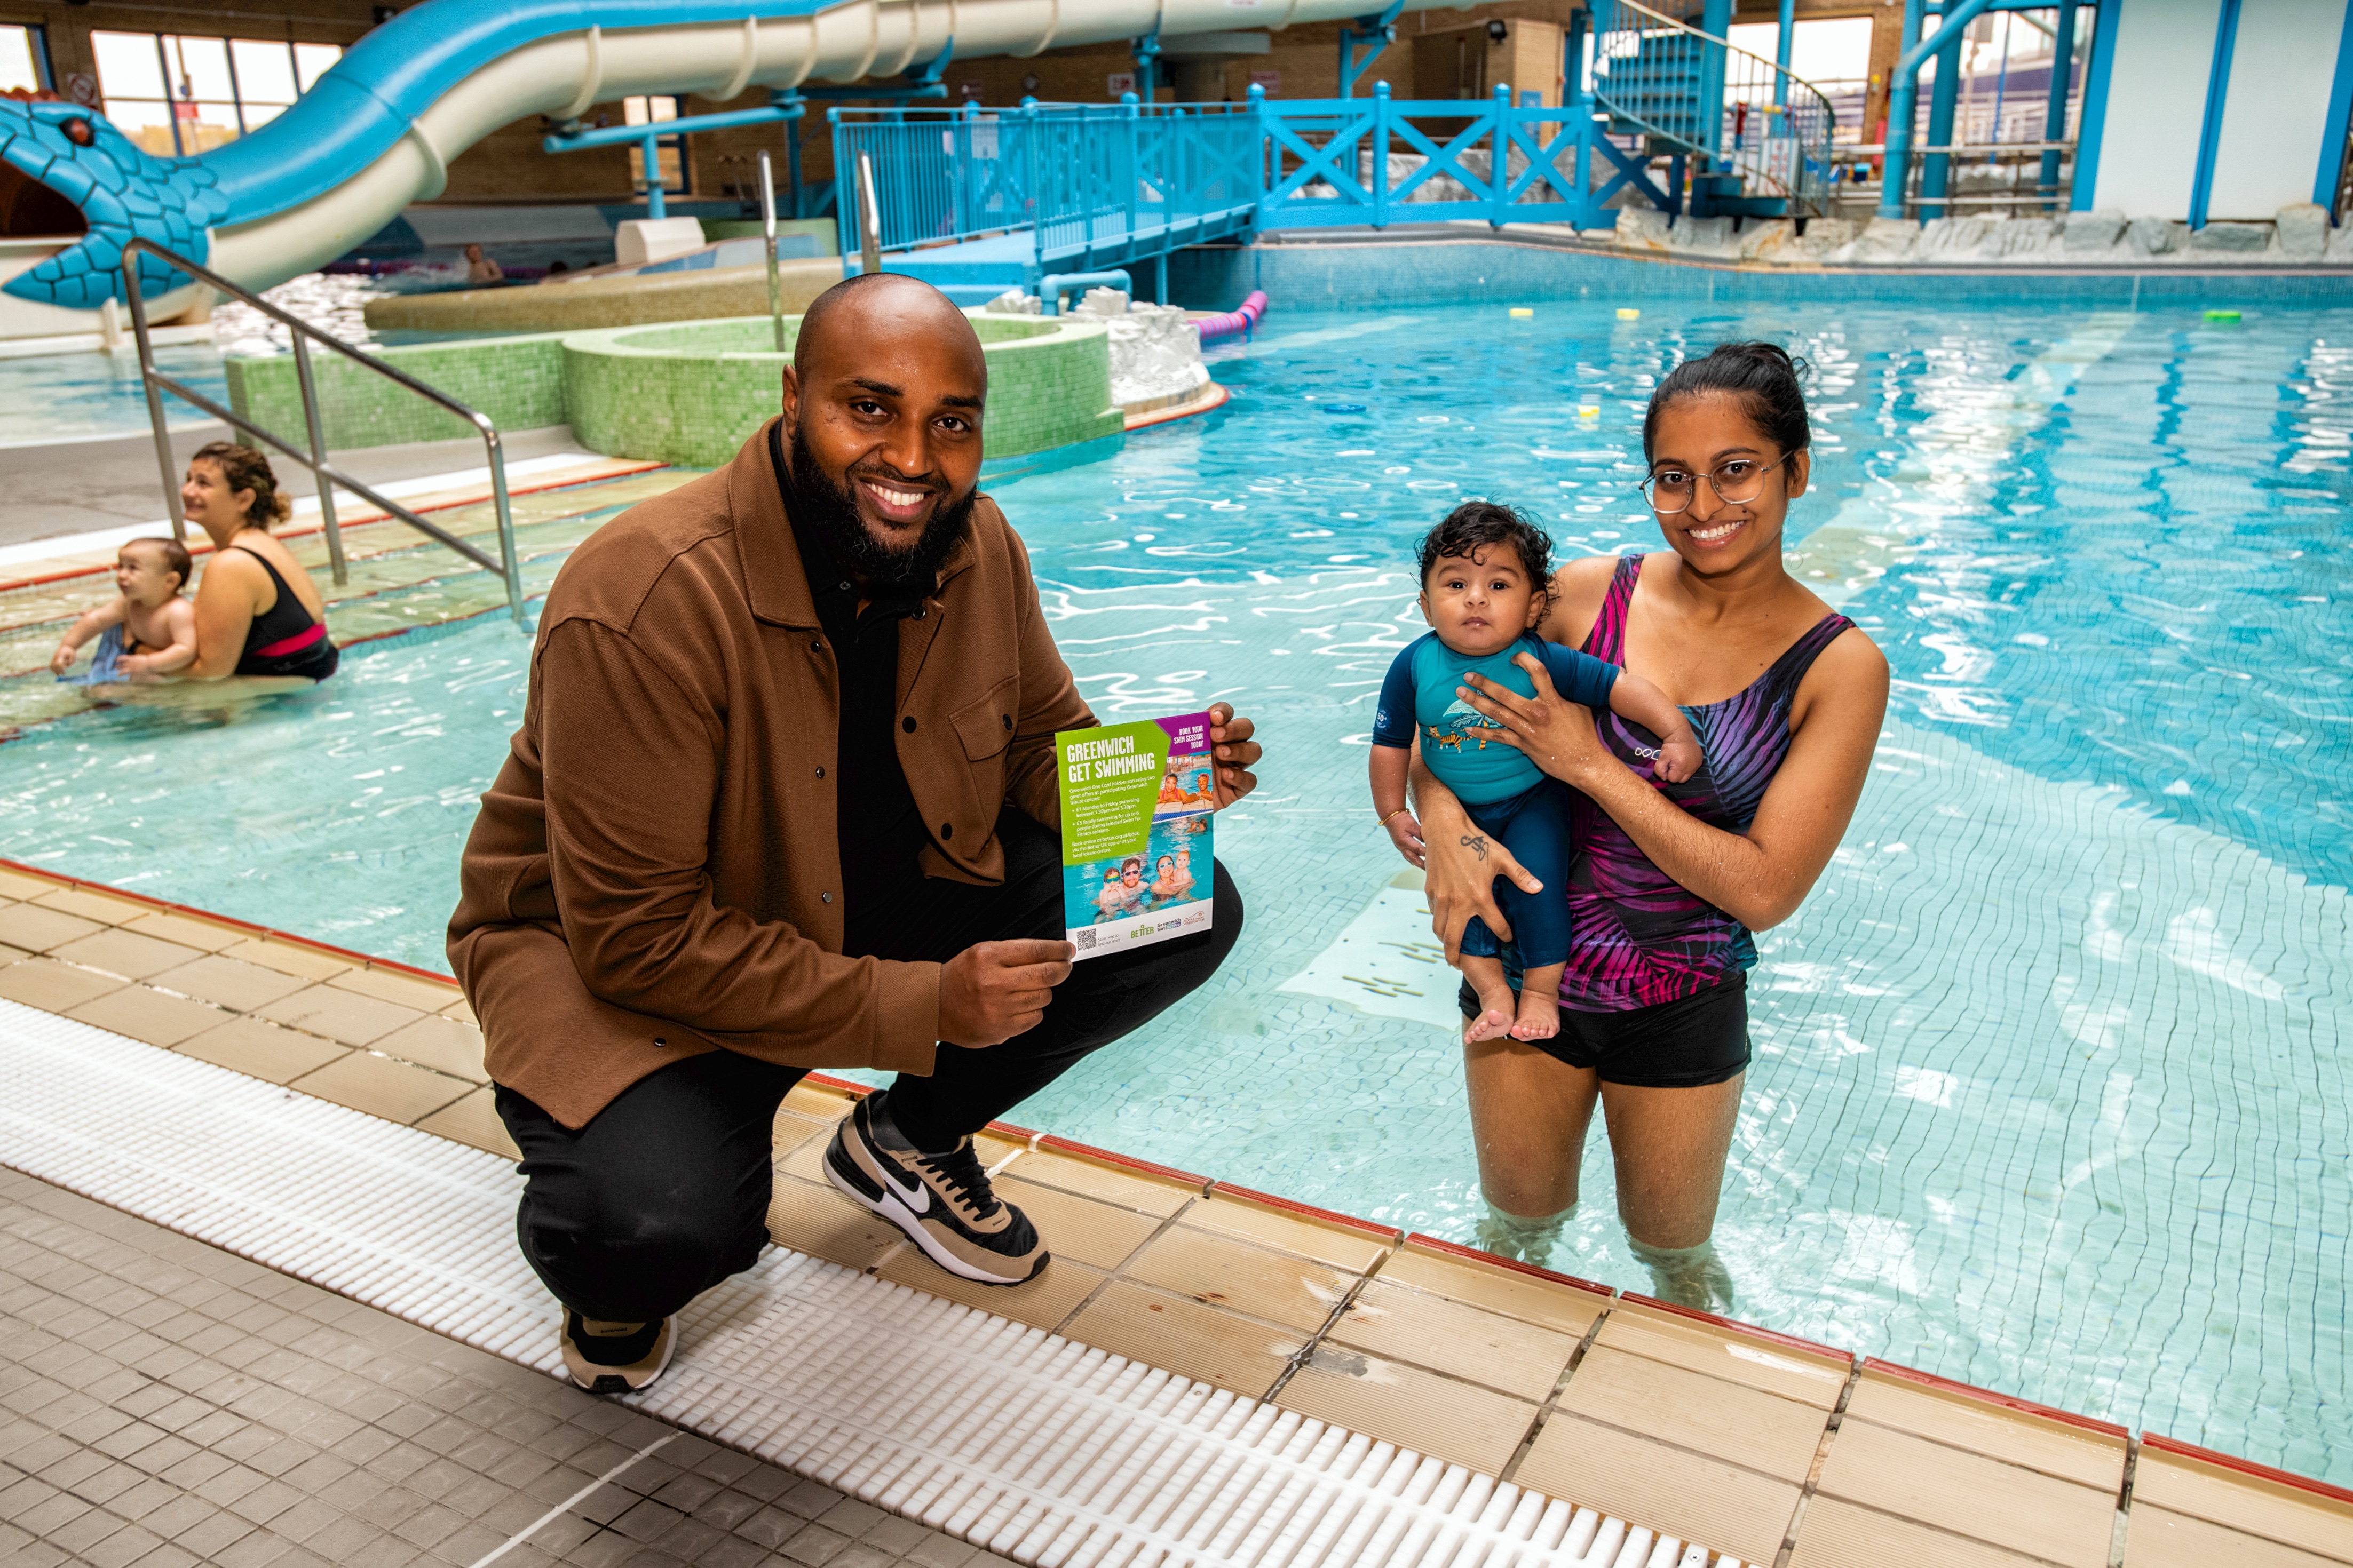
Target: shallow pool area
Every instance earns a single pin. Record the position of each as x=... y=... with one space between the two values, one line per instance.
x=2050 y=1067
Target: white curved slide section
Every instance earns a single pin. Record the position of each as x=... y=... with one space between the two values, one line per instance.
x=563 y=76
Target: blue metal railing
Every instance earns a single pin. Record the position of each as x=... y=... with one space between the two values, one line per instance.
x=1089 y=186
x=1350 y=162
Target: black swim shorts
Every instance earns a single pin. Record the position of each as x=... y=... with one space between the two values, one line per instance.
x=1693 y=1040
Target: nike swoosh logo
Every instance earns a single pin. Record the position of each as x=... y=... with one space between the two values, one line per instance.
x=918 y=1197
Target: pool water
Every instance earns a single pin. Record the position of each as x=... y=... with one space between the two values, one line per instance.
x=2051 y=1068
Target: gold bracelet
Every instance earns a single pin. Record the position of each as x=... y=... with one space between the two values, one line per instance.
x=1400 y=811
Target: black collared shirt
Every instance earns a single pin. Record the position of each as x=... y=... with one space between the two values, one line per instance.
x=880 y=829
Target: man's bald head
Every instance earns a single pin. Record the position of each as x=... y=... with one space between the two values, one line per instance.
x=854 y=310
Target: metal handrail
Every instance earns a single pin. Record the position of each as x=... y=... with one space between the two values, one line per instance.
x=507 y=564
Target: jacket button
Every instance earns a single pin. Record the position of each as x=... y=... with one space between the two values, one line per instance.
x=817 y=646
x=1005 y=719
x=659 y=1040
x=908 y=723
x=820 y=772
x=947 y=830
x=825 y=898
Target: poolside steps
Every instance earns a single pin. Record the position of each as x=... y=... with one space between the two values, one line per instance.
x=1494 y=1386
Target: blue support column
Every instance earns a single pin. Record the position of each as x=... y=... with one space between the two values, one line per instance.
x=1714 y=17
x=1782 y=47
x=1936 y=168
x=2093 y=123
x=1903 y=91
x=652 y=155
x=1380 y=170
x=1362 y=41
x=2054 y=116
x=1499 y=157
x=2209 y=130
x=1147 y=65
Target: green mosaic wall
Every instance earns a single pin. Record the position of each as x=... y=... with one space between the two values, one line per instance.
x=688 y=392
x=517 y=381
x=692 y=393
x=824 y=230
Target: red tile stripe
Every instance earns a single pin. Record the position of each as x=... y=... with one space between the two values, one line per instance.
x=1749 y=1330
x=1473 y=1255
x=2006 y=1400
x=1387 y=1233
x=2338 y=1495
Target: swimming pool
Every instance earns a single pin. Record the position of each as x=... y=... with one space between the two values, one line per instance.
x=2050 y=1068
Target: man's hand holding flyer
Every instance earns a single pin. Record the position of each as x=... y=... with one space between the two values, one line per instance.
x=1136 y=805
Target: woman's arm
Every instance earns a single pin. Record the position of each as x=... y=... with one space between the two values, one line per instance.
x=1459 y=865
x=223 y=613
x=87 y=624
x=1758 y=878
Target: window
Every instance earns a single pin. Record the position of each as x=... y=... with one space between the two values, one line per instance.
x=24 y=67
x=668 y=151
x=177 y=96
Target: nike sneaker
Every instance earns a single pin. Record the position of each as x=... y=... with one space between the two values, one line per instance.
x=943 y=1202
x=615 y=1358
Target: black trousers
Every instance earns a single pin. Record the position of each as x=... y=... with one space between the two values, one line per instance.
x=665 y=1192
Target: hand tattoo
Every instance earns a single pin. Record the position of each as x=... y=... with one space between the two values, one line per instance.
x=1476 y=844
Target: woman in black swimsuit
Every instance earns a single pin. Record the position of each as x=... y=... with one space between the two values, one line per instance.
x=256 y=612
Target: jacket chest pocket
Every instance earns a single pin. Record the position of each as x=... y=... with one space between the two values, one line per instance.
x=985 y=728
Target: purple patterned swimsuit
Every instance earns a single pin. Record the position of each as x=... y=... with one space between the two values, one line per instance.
x=1638 y=937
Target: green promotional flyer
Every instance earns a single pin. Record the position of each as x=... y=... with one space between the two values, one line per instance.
x=1136 y=805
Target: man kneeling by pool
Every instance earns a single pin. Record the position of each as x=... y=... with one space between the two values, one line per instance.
x=785 y=797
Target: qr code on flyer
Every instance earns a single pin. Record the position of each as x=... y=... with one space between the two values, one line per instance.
x=1084 y=938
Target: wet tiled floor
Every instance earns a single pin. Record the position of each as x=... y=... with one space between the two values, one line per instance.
x=163 y=1404
x=1769 y=1448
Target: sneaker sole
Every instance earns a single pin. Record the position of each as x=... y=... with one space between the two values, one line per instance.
x=897 y=1214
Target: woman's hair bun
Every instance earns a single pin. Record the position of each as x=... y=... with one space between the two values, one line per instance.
x=1763 y=376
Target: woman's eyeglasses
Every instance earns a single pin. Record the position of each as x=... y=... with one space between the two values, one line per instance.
x=1736 y=483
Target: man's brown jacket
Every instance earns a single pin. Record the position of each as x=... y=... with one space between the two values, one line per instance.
x=655 y=873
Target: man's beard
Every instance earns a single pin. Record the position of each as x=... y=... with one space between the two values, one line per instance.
x=832 y=510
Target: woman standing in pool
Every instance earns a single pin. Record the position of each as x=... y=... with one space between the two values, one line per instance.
x=1787 y=697
x=257 y=611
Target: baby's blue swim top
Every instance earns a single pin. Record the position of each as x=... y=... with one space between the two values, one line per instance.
x=1419 y=693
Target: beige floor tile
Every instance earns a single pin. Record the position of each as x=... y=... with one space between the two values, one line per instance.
x=340 y=1014
x=1752 y=1359
x=1688 y=1496
x=393 y=1090
x=1415 y=1409
x=2160 y=1538
x=262 y=1050
x=805 y=1160
x=37 y=929
x=815 y=1100
x=463 y=1011
x=1042 y=1302
x=1835 y=1534
x=103 y=907
x=11 y=954
x=442 y=1044
x=1183 y=1336
x=289 y=958
x=1074 y=1227
x=1108 y=1183
x=1747 y=1426
x=53 y=987
x=1226 y=1272
x=18 y=885
x=391 y=985
x=1339 y=1246
x=2054 y=1447
x=125 y=952
x=149 y=1016
x=1967 y=1494
x=814 y=1219
x=1455 y=1337
x=792 y=1130
x=2233 y=1498
x=1498 y=1290
x=229 y=982
x=203 y=935
x=473 y=1119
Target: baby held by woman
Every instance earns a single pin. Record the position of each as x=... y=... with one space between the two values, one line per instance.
x=1487 y=573
x=149 y=627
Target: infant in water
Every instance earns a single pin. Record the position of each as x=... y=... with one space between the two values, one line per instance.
x=149 y=627
x=1485 y=584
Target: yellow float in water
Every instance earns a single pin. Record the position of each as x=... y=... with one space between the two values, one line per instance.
x=1627 y=313
x=1588 y=411
x=1522 y=310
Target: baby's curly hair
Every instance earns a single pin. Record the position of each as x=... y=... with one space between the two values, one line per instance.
x=1474 y=526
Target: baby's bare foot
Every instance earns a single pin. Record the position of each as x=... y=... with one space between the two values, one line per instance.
x=1495 y=1002
x=1539 y=1016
